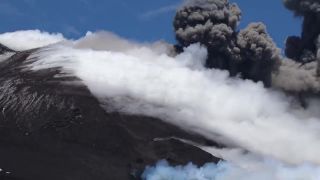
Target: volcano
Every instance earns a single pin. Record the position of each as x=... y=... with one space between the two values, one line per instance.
x=54 y=129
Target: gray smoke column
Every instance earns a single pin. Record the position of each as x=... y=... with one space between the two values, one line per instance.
x=305 y=48
x=260 y=56
x=250 y=52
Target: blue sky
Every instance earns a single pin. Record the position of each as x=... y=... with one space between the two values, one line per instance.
x=141 y=20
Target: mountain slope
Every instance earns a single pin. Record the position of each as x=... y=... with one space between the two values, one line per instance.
x=51 y=127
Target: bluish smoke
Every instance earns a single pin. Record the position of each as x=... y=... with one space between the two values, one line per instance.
x=269 y=170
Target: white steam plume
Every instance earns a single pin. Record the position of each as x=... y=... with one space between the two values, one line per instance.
x=182 y=92
x=29 y=39
x=142 y=80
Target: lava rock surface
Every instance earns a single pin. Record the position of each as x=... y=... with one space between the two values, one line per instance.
x=52 y=129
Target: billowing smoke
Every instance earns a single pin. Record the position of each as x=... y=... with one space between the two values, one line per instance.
x=143 y=79
x=259 y=53
x=278 y=139
x=250 y=52
x=138 y=79
x=297 y=77
x=305 y=48
x=300 y=73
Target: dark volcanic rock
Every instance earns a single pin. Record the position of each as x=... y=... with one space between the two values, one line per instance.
x=50 y=129
x=4 y=49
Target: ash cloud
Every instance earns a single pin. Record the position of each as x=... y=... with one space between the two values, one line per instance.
x=296 y=77
x=301 y=71
x=137 y=79
x=305 y=48
x=250 y=52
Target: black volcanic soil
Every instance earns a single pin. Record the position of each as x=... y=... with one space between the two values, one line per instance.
x=51 y=130
x=4 y=49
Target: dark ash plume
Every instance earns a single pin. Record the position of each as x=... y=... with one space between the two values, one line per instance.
x=304 y=49
x=213 y=24
x=250 y=52
x=260 y=55
x=300 y=73
x=206 y=22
